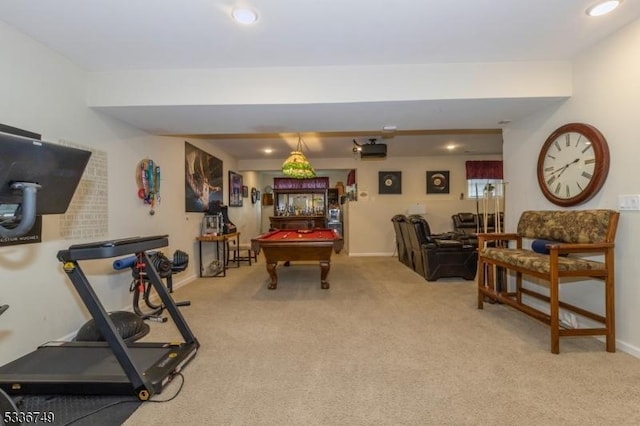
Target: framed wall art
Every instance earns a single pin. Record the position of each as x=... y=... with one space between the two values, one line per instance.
x=389 y=182
x=203 y=179
x=235 y=189
x=438 y=182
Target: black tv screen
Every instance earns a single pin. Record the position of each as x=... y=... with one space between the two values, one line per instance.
x=56 y=168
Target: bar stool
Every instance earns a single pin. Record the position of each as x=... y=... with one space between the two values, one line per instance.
x=241 y=253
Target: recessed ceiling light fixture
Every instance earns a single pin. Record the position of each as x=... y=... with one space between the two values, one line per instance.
x=244 y=15
x=603 y=7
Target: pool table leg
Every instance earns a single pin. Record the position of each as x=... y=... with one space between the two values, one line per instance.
x=271 y=269
x=324 y=271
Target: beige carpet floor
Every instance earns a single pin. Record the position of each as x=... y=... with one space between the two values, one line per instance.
x=383 y=346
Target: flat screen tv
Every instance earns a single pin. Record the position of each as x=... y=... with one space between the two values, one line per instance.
x=56 y=168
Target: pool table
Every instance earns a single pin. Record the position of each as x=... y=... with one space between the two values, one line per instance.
x=303 y=244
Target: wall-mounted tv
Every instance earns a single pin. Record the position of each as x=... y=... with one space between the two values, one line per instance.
x=56 y=168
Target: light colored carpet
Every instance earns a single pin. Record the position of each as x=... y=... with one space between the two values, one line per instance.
x=383 y=346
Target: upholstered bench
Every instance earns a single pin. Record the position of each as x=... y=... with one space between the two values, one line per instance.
x=573 y=238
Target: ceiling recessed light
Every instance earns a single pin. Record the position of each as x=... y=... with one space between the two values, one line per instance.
x=244 y=15
x=603 y=8
x=451 y=147
x=268 y=150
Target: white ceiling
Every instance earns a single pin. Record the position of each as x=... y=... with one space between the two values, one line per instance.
x=113 y=35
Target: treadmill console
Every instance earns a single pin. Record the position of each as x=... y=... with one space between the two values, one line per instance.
x=112 y=248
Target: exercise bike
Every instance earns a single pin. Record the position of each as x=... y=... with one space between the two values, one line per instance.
x=131 y=325
x=141 y=287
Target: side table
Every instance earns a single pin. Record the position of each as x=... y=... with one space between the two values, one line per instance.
x=218 y=266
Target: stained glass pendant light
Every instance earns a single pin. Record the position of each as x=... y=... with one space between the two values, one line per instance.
x=296 y=165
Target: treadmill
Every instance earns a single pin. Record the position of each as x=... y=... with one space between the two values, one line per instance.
x=112 y=367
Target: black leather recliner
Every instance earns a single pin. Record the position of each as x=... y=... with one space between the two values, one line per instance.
x=406 y=230
x=465 y=223
x=450 y=258
x=442 y=255
x=401 y=243
x=433 y=256
x=419 y=234
x=471 y=223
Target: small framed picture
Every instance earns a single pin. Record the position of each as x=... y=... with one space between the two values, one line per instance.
x=389 y=182
x=245 y=191
x=438 y=182
x=235 y=189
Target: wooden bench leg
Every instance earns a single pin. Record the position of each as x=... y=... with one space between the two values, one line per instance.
x=554 y=308
x=491 y=278
x=610 y=313
x=480 y=274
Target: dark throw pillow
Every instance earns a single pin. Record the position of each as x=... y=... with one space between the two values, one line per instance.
x=540 y=246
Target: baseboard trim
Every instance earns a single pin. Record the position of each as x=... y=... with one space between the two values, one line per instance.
x=621 y=345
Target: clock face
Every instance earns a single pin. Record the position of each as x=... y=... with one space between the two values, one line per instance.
x=573 y=164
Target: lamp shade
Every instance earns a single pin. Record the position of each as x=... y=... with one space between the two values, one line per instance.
x=297 y=166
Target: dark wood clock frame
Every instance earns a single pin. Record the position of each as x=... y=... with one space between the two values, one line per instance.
x=601 y=169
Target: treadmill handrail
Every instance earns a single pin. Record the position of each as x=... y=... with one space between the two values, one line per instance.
x=112 y=248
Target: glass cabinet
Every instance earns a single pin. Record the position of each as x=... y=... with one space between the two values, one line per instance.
x=299 y=203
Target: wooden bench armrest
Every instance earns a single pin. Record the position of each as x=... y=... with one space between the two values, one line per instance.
x=580 y=248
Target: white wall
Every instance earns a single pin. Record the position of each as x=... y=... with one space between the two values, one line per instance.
x=369 y=229
x=44 y=93
x=330 y=84
x=606 y=95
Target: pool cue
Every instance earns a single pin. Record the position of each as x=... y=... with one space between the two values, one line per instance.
x=477 y=212
x=485 y=206
x=496 y=214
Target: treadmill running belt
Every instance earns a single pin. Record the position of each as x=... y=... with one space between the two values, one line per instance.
x=73 y=368
x=96 y=361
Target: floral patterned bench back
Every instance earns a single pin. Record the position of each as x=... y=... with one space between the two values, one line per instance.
x=569 y=226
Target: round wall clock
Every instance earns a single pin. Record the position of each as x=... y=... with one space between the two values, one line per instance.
x=573 y=164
